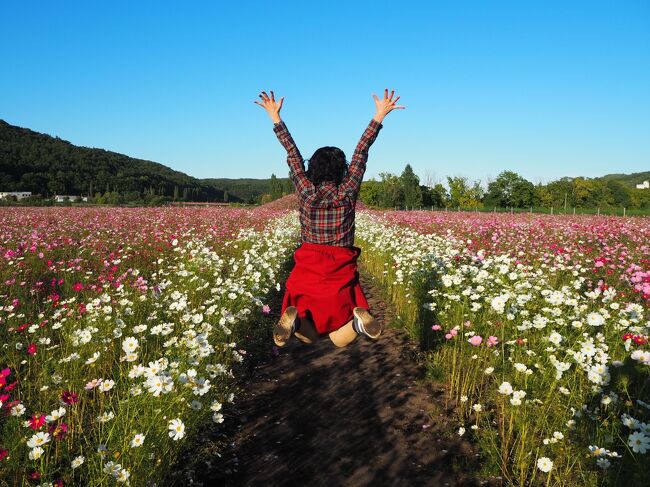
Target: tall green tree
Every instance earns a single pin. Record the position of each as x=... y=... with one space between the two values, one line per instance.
x=411 y=188
x=464 y=194
x=276 y=187
x=392 y=193
x=509 y=189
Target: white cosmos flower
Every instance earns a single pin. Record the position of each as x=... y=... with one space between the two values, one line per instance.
x=106 y=385
x=555 y=338
x=38 y=439
x=105 y=417
x=639 y=442
x=176 y=429
x=130 y=357
x=155 y=385
x=130 y=344
x=18 y=410
x=77 y=461
x=122 y=476
x=641 y=356
x=36 y=453
x=93 y=359
x=137 y=440
x=55 y=415
x=498 y=303
x=595 y=319
x=544 y=464
x=505 y=388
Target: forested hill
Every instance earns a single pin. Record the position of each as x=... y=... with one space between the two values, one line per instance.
x=45 y=165
x=253 y=190
x=630 y=180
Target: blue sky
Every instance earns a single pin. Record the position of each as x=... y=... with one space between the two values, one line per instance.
x=544 y=88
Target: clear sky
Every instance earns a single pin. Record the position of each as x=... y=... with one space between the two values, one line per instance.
x=545 y=88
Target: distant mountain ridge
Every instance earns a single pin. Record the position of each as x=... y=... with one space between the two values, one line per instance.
x=46 y=165
x=630 y=180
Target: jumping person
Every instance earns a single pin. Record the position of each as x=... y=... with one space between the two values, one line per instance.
x=323 y=294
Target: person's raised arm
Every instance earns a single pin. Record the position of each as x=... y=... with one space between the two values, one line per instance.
x=294 y=158
x=352 y=182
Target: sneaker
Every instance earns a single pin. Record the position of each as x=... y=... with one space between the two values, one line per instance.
x=285 y=326
x=366 y=324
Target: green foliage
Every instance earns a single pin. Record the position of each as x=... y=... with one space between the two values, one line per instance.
x=249 y=190
x=276 y=188
x=45 y=165
x=464 y=195
x=508 y=190
x=411 y=188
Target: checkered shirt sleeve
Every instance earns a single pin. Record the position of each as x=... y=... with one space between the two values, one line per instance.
x=294 y=160
x=352 y=183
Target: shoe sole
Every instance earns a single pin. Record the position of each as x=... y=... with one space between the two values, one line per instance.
x=282 y=330
x=370 y=324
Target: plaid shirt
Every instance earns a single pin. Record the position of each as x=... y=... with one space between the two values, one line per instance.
x=327 y=211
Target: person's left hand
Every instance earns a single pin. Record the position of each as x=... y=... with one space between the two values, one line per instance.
x=386 y=105
x=270 y=105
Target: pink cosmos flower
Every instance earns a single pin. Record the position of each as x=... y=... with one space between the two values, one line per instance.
x=37 y=421
x=93 y=383
x=69 y=397
x=31 y=349
x=449 y=336
x=59 y=431
x=436 y=327
x=476 y=340
x=492 y=341
x=266 y=309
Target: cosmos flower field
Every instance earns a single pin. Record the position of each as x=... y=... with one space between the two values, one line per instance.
x=539 y=325
x=123 y=330
x=118 y=333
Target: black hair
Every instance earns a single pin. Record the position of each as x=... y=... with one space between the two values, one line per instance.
x=327 y=164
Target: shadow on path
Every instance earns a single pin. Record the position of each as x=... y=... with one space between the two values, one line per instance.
x=357 y=416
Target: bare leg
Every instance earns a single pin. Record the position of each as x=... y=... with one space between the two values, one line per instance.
x=344 y=335
x=307 y=332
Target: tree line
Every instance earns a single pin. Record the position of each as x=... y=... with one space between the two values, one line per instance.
x=508 y=190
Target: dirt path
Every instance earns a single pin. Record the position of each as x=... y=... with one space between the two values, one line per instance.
x=357 y=416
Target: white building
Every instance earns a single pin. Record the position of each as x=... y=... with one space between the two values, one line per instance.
x=60 y=198
x=643 y=185
x=19 y=195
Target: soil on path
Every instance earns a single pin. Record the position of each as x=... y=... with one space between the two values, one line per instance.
x=317 y=415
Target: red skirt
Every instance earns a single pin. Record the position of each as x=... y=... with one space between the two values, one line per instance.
x=324 y=285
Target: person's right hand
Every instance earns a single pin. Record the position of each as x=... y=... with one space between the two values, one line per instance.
x=386 y=105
